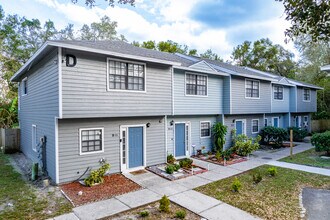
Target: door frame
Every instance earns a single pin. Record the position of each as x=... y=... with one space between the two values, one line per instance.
x=124 y=167
x=278 y=122
x=243 y=123
x=187 y=142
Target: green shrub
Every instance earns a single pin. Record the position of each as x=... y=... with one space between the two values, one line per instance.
x=180 y=214
x=186 y=163
x=176 y=167
x=226 y=154
x=144 y=214
x=298 y=133
x=170 y=159
x=245 y=145
x=169 y=169
x=219 y=132
x=164 y=204
x=97 y=176
x=272 y=171
x=257 y=177
x=321 y=141
x=218 y=155
x=236 y=185
x=273 y=135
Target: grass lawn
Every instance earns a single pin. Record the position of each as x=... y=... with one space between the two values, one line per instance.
x=273 y=198
x=27 y=202
x=310 y=158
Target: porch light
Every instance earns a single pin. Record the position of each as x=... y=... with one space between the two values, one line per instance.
x=148 y=124
x=233 y=120
x=172 y=123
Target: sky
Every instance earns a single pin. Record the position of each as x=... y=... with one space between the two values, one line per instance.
x=219 y=25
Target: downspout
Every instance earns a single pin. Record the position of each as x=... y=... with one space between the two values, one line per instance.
x=172 y=80
x=165 y=127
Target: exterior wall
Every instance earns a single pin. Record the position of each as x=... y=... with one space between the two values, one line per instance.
x=228 y=121
x=281 y=105
x=195 y=138
x=72 y=165
x=293 y=99
x=303 y=106
x=242 y=105
x=294 y=115
x=197 y=105
x=226 y=95
x=85 y=92
x=40 y=107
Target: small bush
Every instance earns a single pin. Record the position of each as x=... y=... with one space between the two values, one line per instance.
x=236 y=185
x=321 y=141
x=176 y=167
x=170 y=159
x=186 y=163
x=298 y=133
x=257 y=177
x=97 y=176
x=169 y=169
x=227 y=153
x=272 y=171
x=164 y=204
x=144 y=214
x=244 y=145
x=273 y=135
x=218 y=155
x=180 y=214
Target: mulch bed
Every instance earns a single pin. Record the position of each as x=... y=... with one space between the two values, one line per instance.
x=181 y=173
x=113 y=185
x=212 y=159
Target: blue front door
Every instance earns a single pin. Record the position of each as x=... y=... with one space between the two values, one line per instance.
x=180 y=141
x=239 y=127
x=135 y=149
x=275 y=122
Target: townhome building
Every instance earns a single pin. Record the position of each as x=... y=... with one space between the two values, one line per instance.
x=95 y=100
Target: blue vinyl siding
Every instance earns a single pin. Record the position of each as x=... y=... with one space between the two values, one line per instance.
x=281 y=105
x=226 y=95
x=293 y=99
x=303 y=106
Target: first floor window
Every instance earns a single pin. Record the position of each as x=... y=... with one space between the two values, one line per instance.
x=307 y=94
x=91 y=140
x=205 y=129
x=278 y=92
x=196 y=84
x=255 y=125
x=251 y=88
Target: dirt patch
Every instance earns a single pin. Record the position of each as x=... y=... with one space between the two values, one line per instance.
x=154 y=213
x=113 y=185
x=138 y=172
x=211 y=158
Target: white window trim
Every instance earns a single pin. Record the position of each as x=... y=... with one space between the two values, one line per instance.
x=200 y=129
x=266 y=124
x=34 y=139
x=274 y=93
x=126 y=90
x=278 y=122
x=303 y=94
x=23 y=86
x=93 y=152
x=246 y=87
x=185 y=84
x=252 y=126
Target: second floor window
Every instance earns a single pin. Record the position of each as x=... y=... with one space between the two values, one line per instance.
x=278 y=92
x=307 y=95
x=126 y=76
x=196 y=84
x=251 y=89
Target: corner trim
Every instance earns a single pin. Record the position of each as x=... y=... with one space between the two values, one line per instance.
x=59 y=62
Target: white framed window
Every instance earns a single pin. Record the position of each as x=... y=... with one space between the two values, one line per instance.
x=255 y=126
x=205 y=128
x=278 y=92
x=91 y=140
x=252 y=88
x=196 y=84
x=307 y=95
x=24 y=87
x=126 y=75
x=34 y=138
x=266 y=122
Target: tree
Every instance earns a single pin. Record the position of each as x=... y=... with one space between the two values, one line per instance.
x=104 y=30
x=208 y=54
x=91 y=3
x=308 y=17
x=149 y=44
x=166 y=46
x=265 y=56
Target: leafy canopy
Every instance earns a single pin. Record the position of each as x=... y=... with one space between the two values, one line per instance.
x=92 y=3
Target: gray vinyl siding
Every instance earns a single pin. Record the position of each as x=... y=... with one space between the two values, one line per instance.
x=281 y=105
x=71 y=162
x=231 y=125
x=303 y=106
x=226 y=95
x=282 y=119
x=293 y=99
x=201 y=66
x=242 y=105
x=195 y=136
x=85 y=92
x=40 y=107
x=197 y=105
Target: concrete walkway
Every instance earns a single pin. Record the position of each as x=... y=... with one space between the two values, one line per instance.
x=180 y=191
x=322 y=171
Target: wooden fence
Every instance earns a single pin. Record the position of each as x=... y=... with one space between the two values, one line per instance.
x=10 y=140
x=320 y=125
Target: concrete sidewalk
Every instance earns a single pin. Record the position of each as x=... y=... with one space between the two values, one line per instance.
x=321 y=171
x=180 y=191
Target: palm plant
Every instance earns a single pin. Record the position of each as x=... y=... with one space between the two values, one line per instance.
x=219 y=133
